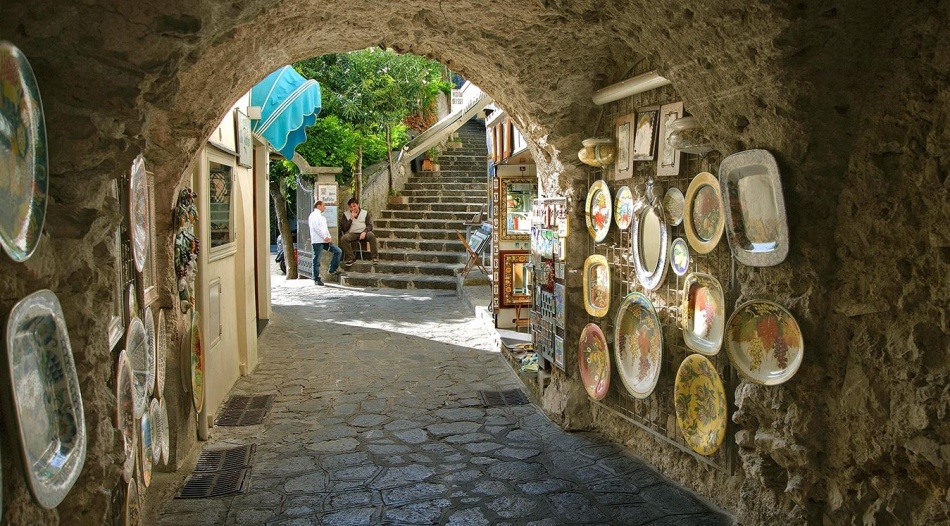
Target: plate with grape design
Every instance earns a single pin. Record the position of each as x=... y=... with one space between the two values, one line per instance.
x=593 y=359
x=638 y=345
x=700 y=400
x=764 y=342
x=704 y=313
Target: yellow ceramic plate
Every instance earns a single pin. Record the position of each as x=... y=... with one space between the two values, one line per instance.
x=598 y=210
x=701 y=409
x=764 y=342
x=593 y=359
x=703 y=218
x=596 y=286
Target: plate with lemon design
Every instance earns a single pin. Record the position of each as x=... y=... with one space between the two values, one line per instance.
x=700 y=400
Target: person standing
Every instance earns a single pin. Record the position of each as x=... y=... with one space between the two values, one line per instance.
x=321 y=240
x=357 y=226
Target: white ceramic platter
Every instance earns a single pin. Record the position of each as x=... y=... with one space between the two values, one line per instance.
x=704 y=313
x=756 y=226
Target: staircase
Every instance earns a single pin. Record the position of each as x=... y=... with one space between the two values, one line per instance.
x=418 y=248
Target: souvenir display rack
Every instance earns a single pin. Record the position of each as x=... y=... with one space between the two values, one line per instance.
x=547 y=317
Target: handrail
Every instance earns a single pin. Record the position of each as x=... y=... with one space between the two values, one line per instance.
x=445 y=126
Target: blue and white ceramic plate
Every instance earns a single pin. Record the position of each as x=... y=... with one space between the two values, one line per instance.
x=46 y=398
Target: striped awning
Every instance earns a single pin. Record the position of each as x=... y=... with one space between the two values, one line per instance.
x=289 y=103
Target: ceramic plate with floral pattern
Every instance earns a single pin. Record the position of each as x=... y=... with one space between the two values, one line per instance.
x=164 y=437
x=596 y=285
x=673 y=205
x=145 y=452
x=24 y=163
x=623 y=208
x=197 y=362
x=704 y=313
x=136 y=344
x=47 y=404
x=679 y=256
x=149 y=321
x=701 y=409
x=155 y=415
x=702 y=217
x=125 y=412
x=638 y=345
x=764 y=342
x=598 y=211
x=138 y=212
x=593 y=358
x=756 y=226
x=161 y=350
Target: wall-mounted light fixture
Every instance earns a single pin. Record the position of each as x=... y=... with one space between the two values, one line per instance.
x=631 y=86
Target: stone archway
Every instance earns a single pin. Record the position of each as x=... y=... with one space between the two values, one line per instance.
x=852 y=98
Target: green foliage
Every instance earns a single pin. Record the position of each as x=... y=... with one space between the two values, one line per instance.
x=284 y=173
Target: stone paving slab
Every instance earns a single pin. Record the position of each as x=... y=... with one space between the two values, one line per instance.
x=377 y=421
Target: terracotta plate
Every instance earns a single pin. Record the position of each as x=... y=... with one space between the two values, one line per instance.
x=700 y=400
x=704 y=313
x=598 y=211
x=593 y=358
x=638 y=345
x=596 y=285
x=764 y=342
x=623 y=208
x=702 y=217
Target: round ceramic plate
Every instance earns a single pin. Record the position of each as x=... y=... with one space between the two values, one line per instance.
x=145 y=457
x=163 y=422
x=131 y=302
x=150 y=356
x=764 y=343
x=623 y=208
x=24 y=164
x=161 y=350
x=700 y=400
x=596 y=285
x=593 y=359
x=125 y=412
x=197 y=362
x=704 y=313
x=638 y=345
x=132 y=510
x=155 y=415
x=598 y=211
x=138 y=212
x=136 y=344
x=702 y=217
x=673 y=205
x=679 y=256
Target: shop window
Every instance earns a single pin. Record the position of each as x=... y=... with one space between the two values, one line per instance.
x=221 y=210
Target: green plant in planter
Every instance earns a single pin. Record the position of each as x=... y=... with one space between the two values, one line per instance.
x=433 y=154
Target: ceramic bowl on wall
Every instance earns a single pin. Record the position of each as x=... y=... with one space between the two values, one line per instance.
x=704 y=313
x=688 y=136
x=596 y=285
x=756 y=226
x=638 y=345
x=703 y=217
x=764 y=342
x=599 y=152
x=598 y=210
x=593 y=359
x=700 y=400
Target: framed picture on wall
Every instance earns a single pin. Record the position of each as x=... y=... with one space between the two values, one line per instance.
x=625 y=133
x=644 y=139
x=559 y=352
x=668 y=160
x=242 y=127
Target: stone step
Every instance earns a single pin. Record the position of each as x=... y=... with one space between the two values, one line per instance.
x=415 y=233
x=461 y=186
x=433 y=199
x=423 y=224
x=448 y=217
x=416 y=256
x=423 y=245
x=404 y=267
x=438 y=207
x=471 y=193
x=398 y=281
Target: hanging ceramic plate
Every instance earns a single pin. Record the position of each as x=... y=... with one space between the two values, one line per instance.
x=700 y=400
x=47 y=403
x=161 y=350
x=145 y=452
x=155 y=415
x=150 y=334
x=138 y=212
x=197 y=362
x=650 y=247
x=638 y=345
x=764 y=342
x=623 y=208
x=756 y=226
x=679 y=256
x=673 y=205
x=125 y=412
x=131 y=302
x=704 y=313
x=598 y=211
x=594 y=361
x=136 y=344
x=703 y=218
x=164 y=438
x=596 y=285
x=132 y=506
x=24 y=164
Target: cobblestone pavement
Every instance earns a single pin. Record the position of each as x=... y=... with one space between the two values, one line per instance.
x=377 y=421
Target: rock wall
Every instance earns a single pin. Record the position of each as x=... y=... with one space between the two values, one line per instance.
x=850 y=96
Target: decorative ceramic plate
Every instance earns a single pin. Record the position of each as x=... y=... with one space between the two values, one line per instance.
x=164 y=438
x=197 y=362
x=638 y=345
x=623 y=208
x=150 y=333
x=132 y=506
x=756 y=226
x=47 y=403
x=136 y=344
x=764 y=342
x=161 y=353
x=700 y=400
x=131 y=302
x=145 y=457
x=155 y=415
x=679 y=256
x=24 y=164
x=704 y=313
x=593 y=359
x=596 y=285
x=138 y=212
x=673 y=205
x=125 y=412
x=650 y=244
x=598 y=211
x=703 y=213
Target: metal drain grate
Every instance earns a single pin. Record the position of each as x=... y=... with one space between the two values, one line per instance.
x=226 y=459
x=501 y=398
x=244 y=410
x=215 y=484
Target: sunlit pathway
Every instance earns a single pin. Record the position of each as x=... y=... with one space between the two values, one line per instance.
x=377 y=421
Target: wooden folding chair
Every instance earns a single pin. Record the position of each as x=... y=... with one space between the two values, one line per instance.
x=474 y=258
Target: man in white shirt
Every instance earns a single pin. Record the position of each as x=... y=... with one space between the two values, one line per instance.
x=357 y=226
x=321 y=240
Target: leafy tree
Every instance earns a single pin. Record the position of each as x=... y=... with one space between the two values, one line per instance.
x=283 y=179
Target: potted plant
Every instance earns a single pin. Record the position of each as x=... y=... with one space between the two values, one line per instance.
x=396 y=198
x=431 y=161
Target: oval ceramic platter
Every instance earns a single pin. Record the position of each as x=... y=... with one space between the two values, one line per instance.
x=136 y=344
x=756 y=226
x=593 y=359
x=145 y=452
x=125 y=412
x=24 y=163
x=650 y=247
x=679 y=256
x=638 y=345
x=702 y=216
x=138 y=212
x=155 y=415
x=700 y=400
x=161 y=352
x=623 y=208
x=46 y=399
x=598 y=211
x=764 y=342
x=197 y=362
x=704 y=313
x=164 y=438
x=673 y=205
x=596 y=285
x=150 y=355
